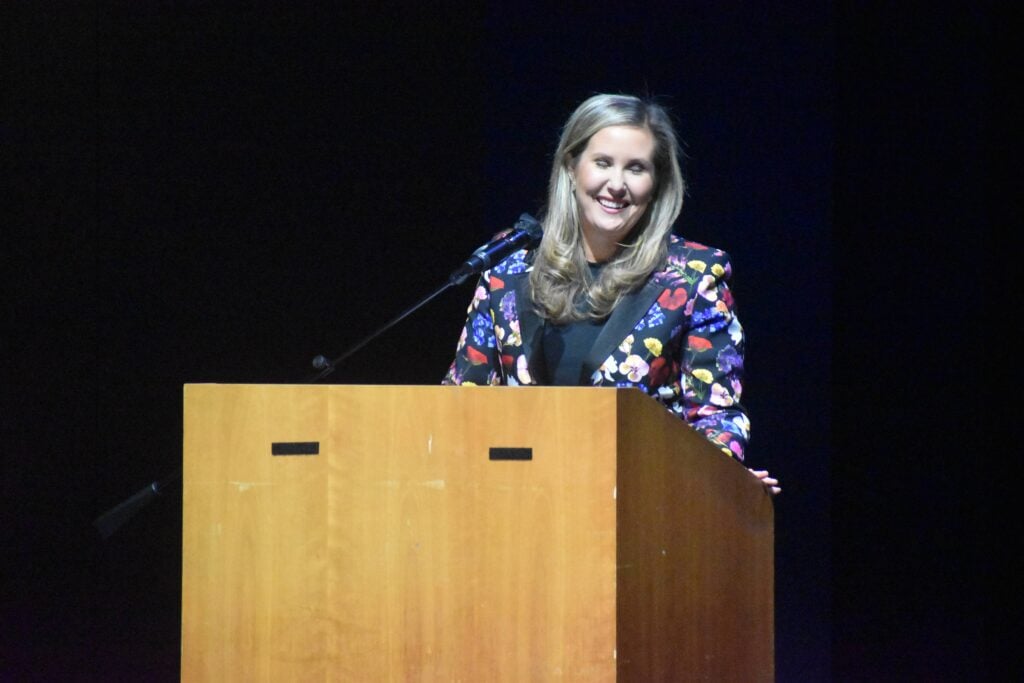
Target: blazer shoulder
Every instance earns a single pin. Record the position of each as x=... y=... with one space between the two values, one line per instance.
x=515 y=263
x=682 y=252
x=681 y=246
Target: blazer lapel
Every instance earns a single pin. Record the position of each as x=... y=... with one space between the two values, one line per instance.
x=531 y=330
x=623 y=319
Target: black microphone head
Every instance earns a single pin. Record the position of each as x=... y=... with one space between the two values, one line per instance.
x=531 y=226
x=526 y=233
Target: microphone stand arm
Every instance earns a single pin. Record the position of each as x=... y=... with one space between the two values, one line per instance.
x=527 y=231
x=326 y=367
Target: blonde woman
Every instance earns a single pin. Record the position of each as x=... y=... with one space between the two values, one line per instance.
x=611 y=297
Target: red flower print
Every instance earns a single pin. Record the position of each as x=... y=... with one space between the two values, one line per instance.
x=658 y=372
x=497 y=283
x=672 y=300
x=698 y=343
x=475 y=357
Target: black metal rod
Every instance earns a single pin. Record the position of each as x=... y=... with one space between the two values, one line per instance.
x=114 y=518
x=326 y=367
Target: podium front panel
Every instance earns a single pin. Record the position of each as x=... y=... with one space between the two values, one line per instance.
x=399 y=550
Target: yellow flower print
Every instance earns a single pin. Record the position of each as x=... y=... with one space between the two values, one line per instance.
x=699 y=266
x=703 y=375
x=653 y=345
x=718 y=270
x=720 y=396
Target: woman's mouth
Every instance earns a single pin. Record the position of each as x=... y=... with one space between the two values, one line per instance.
x=612 y=204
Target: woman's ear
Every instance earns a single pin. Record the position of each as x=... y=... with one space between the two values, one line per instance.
x=570 y=167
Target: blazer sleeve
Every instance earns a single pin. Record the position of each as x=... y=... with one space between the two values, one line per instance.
x=712 y=368
x=477 y=360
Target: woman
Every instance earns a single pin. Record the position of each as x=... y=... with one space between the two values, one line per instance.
x=610 y=297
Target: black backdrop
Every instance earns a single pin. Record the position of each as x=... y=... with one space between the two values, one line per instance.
x=218 y=193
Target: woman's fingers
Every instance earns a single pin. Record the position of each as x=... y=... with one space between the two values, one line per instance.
x=770 y=482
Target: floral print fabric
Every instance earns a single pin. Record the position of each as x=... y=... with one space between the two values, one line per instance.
x=678 y=340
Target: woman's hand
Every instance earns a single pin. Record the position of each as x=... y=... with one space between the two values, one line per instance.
x=771 y=485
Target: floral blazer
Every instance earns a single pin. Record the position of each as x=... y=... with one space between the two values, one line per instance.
x=677 y=339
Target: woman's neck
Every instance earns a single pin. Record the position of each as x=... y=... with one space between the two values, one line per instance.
x=601 y=252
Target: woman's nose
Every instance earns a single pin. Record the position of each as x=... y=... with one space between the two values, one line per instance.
x=616 y=182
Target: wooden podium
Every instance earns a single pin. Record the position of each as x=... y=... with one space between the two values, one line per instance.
x=436 y=533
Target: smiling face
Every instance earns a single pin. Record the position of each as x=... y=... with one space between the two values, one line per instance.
x=614 y=178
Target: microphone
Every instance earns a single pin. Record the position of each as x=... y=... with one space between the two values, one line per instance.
x=526 y=233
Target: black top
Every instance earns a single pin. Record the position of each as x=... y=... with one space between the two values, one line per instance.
x=566 y=346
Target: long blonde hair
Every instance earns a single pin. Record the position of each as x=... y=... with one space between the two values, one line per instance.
x=561 y=283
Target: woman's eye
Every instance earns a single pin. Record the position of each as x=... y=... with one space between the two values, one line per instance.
x=601 y=163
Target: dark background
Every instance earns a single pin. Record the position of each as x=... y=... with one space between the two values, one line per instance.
x=217 y=194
